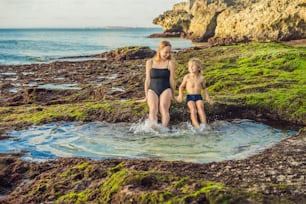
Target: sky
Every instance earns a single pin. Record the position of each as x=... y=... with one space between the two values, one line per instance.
x=81 y=13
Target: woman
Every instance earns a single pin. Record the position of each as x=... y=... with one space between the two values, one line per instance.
x=160 y=83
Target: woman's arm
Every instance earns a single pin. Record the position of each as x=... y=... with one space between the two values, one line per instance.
x=147 y=81
x=172 y=67
x=148 y=77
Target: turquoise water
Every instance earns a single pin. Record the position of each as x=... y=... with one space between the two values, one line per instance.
x=221 y=140
x=28 y=46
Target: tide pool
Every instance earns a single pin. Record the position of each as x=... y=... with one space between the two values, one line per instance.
x=221 y=140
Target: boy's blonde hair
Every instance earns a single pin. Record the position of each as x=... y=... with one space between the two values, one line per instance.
x=161 y=46
x=197 y=62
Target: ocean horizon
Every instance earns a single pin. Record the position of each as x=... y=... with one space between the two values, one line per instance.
x=43 y=45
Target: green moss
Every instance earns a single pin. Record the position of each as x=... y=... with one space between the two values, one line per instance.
x=258 y=75
x=112 y=185
x=77 y=198
x=140 y=109
x=41 y=186
x=156 y=197
x=282 y=186
x=181 y=184
x=99 y=106
x=36 y=114
x=116 y=168
x=123 y=185
x=82 y=166
x=156 y=187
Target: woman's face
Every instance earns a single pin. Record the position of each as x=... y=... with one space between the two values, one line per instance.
x=165 y=53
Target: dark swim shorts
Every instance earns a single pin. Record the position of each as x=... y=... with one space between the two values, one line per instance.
x=193 y=97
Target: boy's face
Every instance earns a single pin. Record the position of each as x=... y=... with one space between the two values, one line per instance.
x=165 y=53
x=192 y=67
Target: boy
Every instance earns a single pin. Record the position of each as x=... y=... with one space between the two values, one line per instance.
x=194 y=83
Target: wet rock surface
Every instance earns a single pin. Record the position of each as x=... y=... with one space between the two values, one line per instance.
x=277 y=175
x=62 y=82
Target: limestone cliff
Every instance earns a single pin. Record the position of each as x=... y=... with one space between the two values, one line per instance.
x=238 y=20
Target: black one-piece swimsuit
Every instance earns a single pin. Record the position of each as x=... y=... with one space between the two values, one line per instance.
x=160 y=80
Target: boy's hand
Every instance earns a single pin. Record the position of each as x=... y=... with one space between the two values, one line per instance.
x=209 y=101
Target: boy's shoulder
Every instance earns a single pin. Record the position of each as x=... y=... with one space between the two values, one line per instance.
x=187 y=76
x=201 y=77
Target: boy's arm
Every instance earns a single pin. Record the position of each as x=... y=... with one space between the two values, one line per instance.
x=208 y=99
x=181 y=89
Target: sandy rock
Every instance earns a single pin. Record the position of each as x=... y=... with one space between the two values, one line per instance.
x=257 y=20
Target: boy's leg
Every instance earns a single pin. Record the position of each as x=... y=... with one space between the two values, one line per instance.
x=201 y=112
x=193 y=113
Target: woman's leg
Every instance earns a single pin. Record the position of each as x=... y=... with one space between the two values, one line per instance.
x=201 y=112
x=152 y=101
x=164 y=106
x=193 y=113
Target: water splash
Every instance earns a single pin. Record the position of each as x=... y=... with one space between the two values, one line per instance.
x=217 y=141
x=148 y=126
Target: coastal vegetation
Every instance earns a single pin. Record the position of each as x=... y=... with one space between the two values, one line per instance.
x=268 y=78
x=260 y=81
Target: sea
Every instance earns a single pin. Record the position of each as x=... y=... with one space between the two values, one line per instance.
x=31 y=46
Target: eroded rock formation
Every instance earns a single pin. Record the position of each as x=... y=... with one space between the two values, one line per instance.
x=237 y=20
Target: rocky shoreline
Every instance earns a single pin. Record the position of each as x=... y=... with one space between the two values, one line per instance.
x=106 y=88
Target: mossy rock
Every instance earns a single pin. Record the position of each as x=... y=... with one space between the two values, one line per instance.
x=268 y=78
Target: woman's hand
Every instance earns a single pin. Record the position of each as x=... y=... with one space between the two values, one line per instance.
x=141 y=100
x=179 y=99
